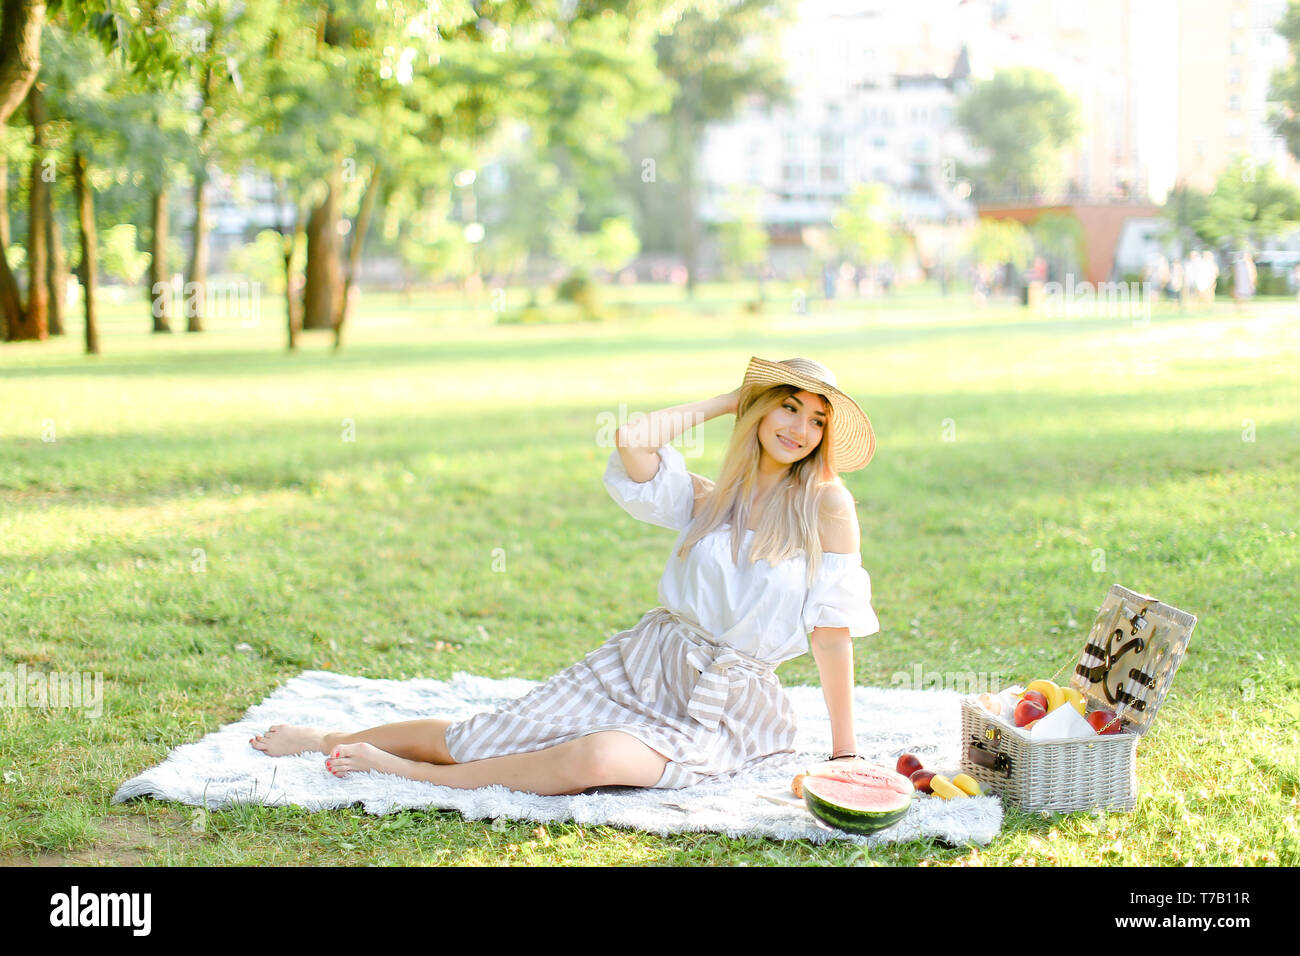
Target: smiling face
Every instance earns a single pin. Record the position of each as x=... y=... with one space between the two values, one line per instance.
x=791 y=431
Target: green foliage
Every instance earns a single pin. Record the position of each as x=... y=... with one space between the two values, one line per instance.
x=1183 y=213
x=1058 y=237
x=1249 y=206
x=996 y=241
x=743 y=236
x=1024 y=119
x=611 y=247
x=261 y=260
x=119 y=256
x=1284 y=87
x=869 y=226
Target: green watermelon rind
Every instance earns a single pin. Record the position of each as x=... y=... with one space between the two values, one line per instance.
x=861 y=822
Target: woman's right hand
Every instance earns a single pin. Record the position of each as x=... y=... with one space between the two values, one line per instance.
x=733 y=402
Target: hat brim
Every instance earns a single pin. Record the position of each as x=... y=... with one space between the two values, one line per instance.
x=855 y=439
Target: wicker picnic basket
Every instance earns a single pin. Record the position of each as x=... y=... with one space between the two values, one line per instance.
x=1128 y=663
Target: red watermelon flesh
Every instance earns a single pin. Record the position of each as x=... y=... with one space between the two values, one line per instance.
x=869 y=776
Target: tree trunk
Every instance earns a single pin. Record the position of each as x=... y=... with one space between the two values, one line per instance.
x=321 y=295
x=35 y=323
x=685 y=146
x=57 y=274
x=89 y=244
x=11 y=303
x=289 y=241
x=197 y=275
x=21 y=22
x=20 y=60
x=4 y=201
x=354 y=251
x=160 y=285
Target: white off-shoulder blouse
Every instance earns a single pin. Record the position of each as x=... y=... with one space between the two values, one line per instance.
x=762 y=610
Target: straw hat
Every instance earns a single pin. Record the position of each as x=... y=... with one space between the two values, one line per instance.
x=855 y=441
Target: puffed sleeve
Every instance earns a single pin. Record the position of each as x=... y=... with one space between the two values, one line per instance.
x=666 y=500
x=841 y=596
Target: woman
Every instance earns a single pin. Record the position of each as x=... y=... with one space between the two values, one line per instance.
x=762 y=557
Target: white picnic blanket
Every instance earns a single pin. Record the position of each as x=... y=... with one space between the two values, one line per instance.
x=223 y=769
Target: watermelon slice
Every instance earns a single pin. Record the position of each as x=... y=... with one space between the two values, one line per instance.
x=856 y=801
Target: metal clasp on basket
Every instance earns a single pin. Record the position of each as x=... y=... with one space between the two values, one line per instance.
x=979 y=752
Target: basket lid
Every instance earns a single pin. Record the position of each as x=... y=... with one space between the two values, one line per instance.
x=1131 y=654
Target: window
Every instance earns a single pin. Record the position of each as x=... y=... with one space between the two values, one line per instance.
x=832 y=142
x=1234 y=103
x=830 y=174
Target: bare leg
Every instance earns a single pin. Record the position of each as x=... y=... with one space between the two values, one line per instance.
x=607 y=758
x=422 y=740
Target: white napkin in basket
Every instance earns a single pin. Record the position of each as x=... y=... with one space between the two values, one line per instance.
x=1064 y=723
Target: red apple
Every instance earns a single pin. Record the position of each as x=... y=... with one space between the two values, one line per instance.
x=1038 y=697
x=909 y=764
x=1099 y=720
x=921 y=780
x=1029 y=710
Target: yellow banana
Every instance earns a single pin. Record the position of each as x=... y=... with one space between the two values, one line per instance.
x=1055 y=697
x=944 y=787
x=1075 y=700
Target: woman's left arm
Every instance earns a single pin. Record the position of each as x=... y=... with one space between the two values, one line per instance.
x=832 y=649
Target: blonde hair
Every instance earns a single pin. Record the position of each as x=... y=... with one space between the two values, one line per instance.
x=788 y=520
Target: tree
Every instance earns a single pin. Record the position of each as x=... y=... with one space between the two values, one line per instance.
x=870 y=225
x=718 y=55
x=1183 y=212
x=20 y=60
x=1023 y=119
x=998 y=241
x=1284 y=88
x=744 y=238
x=227 y=40
x=1058 y=237
x=387 y=108
x=132 y=32
x=1249 y=205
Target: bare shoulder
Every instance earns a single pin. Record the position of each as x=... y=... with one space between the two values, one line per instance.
x=837 y=519
x=703 y=488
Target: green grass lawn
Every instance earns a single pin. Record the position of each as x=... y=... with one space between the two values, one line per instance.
x=178 y=496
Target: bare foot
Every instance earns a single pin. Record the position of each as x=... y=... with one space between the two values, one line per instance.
x=284 y=739
x=349 y=758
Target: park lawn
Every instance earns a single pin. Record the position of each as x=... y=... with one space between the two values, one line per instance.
x=178 y=496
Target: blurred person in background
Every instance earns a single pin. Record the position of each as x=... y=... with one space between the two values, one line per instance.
x=1244 y=278
x=1211 y=265
x=1174 y=287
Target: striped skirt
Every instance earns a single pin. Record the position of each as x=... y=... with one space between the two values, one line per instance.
x=710 y=709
